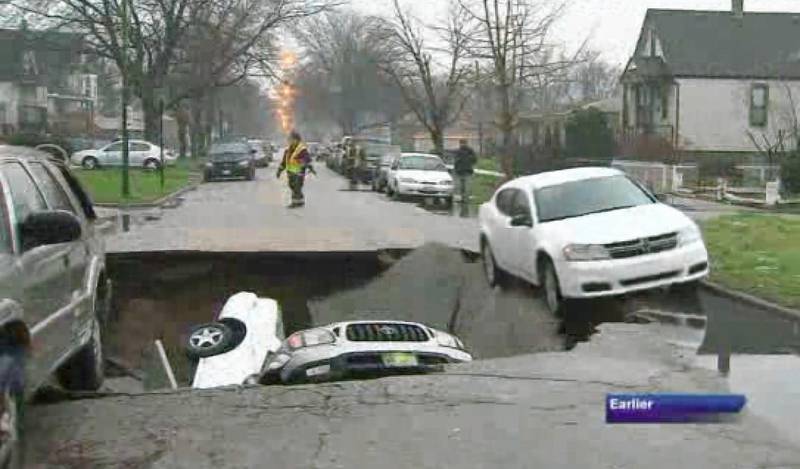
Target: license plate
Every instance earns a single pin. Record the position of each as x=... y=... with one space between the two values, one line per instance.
x=399 y=359
x=318 y=370
x=226 y=172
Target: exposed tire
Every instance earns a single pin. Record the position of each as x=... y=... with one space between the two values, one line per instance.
x=84 y=371
x=552 y=289
x=11 y=406
x=495 y=276
x=90 y=162
x=206 y=340
x=152 y=164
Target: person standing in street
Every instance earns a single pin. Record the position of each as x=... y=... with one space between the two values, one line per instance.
x=463 y=167
x=296 y=161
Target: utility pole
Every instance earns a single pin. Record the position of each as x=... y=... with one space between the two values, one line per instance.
x=126 y=190
x=161 y=140
x=479 y=107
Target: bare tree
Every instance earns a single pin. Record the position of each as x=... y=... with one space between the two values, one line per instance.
x=513 y=39
x=434 y=91
x=340 y=71
x=147 y=39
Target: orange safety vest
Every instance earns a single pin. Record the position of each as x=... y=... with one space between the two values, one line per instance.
x=293 y=163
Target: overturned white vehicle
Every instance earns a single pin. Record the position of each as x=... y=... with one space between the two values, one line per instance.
x=245 y=345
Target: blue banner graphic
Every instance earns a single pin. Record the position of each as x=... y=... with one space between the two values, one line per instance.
x=672 y=408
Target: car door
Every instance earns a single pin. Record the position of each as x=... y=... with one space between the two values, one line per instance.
x=500 y=235
x=522 y=237
x=111 y=155
x=139 y=151
x=45 y=280
x=57 y=198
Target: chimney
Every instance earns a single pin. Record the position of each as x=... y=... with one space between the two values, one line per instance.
x=737 y=8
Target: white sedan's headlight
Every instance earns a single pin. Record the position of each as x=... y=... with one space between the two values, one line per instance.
x=690 y=234
x=585 y=252
x=447 y=340
x=446 y=182
x=408 y=180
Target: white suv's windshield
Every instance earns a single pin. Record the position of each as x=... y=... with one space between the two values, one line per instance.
x=423 y=163
x=578 y=198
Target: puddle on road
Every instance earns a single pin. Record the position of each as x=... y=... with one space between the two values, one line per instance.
x=160 y=296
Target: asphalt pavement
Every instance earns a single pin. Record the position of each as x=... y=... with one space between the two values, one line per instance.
x=532 y=400
x=253 y=216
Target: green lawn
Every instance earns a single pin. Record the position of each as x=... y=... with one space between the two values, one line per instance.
x=483 y=188
x=757 y=253
x=488 y=164
x=105 y=185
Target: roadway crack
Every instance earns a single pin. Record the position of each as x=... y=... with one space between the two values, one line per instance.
x=546 y=378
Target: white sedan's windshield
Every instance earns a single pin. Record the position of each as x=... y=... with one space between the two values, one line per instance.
x=577 y=198
x=423 y=163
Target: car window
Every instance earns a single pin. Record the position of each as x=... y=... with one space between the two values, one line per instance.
x=520 y=205
x=139 y=146
x=114 y=147
x=25 y=197
x=504 y=200
x=578 y=198
x=53 y=192
x=424 y=163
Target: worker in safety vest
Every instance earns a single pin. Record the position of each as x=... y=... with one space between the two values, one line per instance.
x=296 y=161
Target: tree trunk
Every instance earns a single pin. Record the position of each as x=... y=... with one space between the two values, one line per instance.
x=151 y=115
x=437 y=137
x=182 y=119
x=197 y=124
x=506 y=127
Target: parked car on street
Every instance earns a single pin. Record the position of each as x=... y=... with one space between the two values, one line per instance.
x=381 y=177
x=261 y=156
x=585 y=233
x=140 y=154
x=232 y=160
x=362 y=348
x=54 y=292
x=419 y=175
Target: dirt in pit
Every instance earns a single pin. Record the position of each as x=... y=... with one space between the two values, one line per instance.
x=160 y=296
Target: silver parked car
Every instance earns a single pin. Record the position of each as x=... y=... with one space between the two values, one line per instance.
x=140 y=153
x=54 y=292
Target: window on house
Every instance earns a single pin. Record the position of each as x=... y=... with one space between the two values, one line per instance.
x=664 y=102
x=652 y=43
x=759 y=103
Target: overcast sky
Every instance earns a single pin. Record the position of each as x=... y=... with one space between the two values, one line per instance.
x=612 y=25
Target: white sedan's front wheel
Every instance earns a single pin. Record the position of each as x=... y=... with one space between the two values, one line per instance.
x=552 y=289
x=494 y=275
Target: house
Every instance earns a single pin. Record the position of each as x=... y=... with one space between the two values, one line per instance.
x=709 y=82
x=42 y=88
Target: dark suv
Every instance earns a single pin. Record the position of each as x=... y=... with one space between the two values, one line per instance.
x=54 y=293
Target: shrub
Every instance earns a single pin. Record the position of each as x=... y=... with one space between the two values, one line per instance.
x=790 y=173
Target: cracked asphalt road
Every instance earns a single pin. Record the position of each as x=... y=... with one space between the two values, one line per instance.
x=542 y=410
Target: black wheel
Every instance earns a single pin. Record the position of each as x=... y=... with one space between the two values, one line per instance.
x=206 y=340
x=448 y=202
x=152 y=164
x=90 y=162
x=494 y=274
x=11 y=405
x=552 y=289
x=84 y=371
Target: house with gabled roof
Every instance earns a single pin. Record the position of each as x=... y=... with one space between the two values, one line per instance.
x=708 y=82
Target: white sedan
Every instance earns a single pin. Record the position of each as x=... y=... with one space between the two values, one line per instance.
x=587 y=232
x=419 y=175
x=140 y=154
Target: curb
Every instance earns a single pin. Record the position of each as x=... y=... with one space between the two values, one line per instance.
x=153 y=204
x=750 y=300
x=678 y=319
